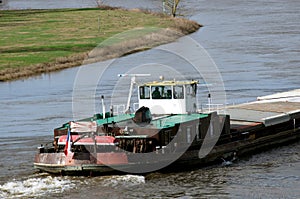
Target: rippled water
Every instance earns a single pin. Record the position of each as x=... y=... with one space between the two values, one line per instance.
x=255 y=45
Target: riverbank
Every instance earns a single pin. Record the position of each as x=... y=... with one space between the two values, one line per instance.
x=40 y=41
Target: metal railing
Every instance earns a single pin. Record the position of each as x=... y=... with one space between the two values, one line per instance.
x=208 y=108
x=121 y=108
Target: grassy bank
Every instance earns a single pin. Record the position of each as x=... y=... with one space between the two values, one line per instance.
x=38 y=41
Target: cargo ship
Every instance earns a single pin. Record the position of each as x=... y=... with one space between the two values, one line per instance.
x=169 y=132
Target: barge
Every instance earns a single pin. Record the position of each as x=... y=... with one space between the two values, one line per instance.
x=169 y=132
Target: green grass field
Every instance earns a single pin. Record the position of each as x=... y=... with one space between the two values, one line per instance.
x=30 y=37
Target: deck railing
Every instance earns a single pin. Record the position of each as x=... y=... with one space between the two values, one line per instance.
x=208 y=108
x=121 y=108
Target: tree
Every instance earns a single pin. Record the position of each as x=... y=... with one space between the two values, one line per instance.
x=170 y=6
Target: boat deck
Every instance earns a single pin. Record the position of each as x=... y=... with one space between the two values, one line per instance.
x=267 y=110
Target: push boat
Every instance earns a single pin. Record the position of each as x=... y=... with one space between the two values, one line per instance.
x=166 y=132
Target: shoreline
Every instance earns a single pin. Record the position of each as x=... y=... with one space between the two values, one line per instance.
x=179 y=27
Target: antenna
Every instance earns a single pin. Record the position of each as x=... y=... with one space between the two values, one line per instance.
x=134 y=75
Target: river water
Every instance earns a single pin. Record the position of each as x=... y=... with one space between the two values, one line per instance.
x=255 y=45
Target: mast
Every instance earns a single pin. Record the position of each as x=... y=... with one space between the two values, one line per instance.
x=133 y=78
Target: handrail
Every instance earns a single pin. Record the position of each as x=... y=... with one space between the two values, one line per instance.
x=121 y=108
x=219 y=108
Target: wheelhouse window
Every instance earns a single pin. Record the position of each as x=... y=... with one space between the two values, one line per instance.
x=178 y=92
x=144 y=92
x=156 y=92
x=161 y=92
